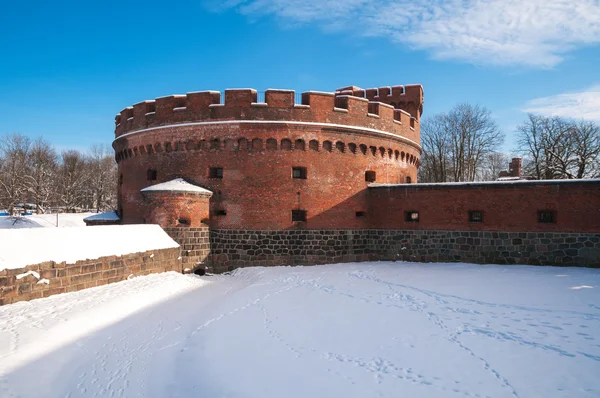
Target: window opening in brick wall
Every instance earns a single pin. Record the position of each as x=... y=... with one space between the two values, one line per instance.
x=476 y=216
x=299 y=172
x=221 y=212
x=184 y=221
x=546 y=216
x=361 y=214
x=151 y=175
x=411 y=216
x=408 y=180
x=298 y=215
x=215 y=172
x=370 y=176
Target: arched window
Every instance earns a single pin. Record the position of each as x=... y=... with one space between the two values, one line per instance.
x=286 y=144
x=327 y=146
x=272 y=144
x=299 y=145
x=340 y=146
x=314 y=145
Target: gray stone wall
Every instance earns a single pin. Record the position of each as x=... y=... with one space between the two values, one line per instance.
x=195 y=245
x=242 y=248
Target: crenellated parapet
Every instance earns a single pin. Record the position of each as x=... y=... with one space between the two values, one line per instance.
x=408 y=98
x=380 y=112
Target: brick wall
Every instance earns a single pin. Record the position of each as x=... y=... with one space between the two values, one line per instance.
x=195 y=245
x=243 y=248
x=65 y=278
x=510 y=206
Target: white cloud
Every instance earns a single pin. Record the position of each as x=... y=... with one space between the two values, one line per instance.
x=535 y=33
x=581 y=105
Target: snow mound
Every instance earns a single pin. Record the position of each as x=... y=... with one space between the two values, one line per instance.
x=106 y=216
x=22 y=247
x=176 y=185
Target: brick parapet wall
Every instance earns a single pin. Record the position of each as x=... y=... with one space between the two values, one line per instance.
x=242 y=248
x=195 y=245
x=64 y=278
x=316 y=107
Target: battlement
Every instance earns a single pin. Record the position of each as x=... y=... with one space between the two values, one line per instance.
x=408 y=98
x=342 y=107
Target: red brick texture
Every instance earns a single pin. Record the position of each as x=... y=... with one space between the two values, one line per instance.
x=66 y=278
x=336 y=138
x=505 y=207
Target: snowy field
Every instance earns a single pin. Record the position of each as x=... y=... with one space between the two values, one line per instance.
x=45 y=220
x=345 y=330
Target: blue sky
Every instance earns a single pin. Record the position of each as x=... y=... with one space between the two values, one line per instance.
x=68 y=67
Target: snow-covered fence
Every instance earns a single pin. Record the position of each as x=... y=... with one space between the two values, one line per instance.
x=41 y=262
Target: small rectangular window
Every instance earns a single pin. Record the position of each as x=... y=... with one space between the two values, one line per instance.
x=408 y=180
x=151 y=175
x=298 y=215
x=411 y=216
x=476 y=216
x=215 y=172
x=299 y=172
x=221 y=212
x=361 y=214
x=370 y=176
x=546 y=216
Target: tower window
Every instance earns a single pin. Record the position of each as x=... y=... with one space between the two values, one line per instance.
x=370 y=176
x=476 y=216
x=546 y=216
x=298 y=215
x=299 y=172
x=408 y=180
x=411 y=216
x=215 y=172
x=221 y=212
x=151 y=175
x=361 y=214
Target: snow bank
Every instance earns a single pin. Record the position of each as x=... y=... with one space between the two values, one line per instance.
x=106 y=216
x=22 y=247
x=176 y=185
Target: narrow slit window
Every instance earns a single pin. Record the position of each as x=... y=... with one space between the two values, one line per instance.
x=215 y=172
x=370 y=176
x=299 y=172
x=298 y=215
x=221 y=212
x=361 y=213
x=411 y=216
x=408 y=180
x=151 y=175
x=546 y=216
x=476 y=216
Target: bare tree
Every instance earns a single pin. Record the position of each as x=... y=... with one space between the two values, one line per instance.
x=560 y=148
x=455 y=144
x=71 y=180
x=493 y=163
x=41 y=179
x=435 y=141
x=14 y=174
x=102 y=177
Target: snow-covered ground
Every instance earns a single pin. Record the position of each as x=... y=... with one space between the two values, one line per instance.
x=44 y=220
x=345 y=330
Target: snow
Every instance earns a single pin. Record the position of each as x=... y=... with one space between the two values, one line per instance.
x=176 y=185
x=23 y=275
x=344 y=330
x=106 y=216
x=22 y=247
x=44 y=220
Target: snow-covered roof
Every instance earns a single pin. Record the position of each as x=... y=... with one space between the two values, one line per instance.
x=484 y=183
x=177 y=185
x=106 y=216
x=78 y=243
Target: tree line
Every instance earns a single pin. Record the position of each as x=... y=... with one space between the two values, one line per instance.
x=463 y=145
x=33 y=172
